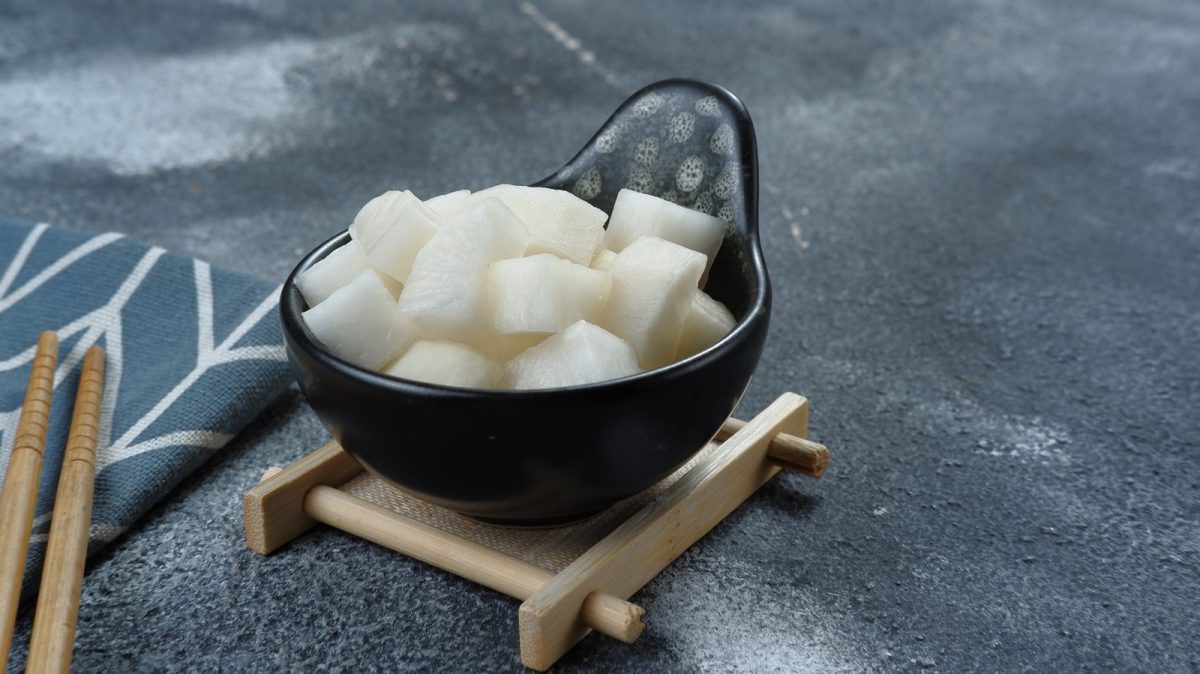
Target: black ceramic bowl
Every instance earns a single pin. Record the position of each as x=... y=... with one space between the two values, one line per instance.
x=541 y=457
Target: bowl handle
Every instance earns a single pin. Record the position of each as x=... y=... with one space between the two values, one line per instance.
x=682 y=140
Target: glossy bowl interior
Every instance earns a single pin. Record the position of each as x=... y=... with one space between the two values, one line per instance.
x=556 y=455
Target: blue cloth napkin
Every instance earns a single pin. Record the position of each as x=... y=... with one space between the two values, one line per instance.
x=192 y=354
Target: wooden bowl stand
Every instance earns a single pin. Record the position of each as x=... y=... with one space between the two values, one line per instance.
x=571 y=579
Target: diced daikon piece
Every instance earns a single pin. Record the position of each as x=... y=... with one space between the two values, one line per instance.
x=333 y=271
x=581 y=354
x=559 y=222
x=374 y=218
x=603 y=260
x=503 y=348
x=445 y=295
x=636 y=214
x=360 y=323
x=707 y=322
x=653 y=283
x=395 y=244
x=544 y=293
x=393 y=286
x=448 y=205
x=448 y=364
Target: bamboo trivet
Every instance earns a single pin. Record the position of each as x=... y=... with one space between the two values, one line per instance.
x=572 y=579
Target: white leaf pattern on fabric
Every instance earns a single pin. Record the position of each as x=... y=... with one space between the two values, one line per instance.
x=192 y=355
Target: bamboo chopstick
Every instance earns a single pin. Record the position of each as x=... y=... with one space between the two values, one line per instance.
x=18 y=500
x=57 y=611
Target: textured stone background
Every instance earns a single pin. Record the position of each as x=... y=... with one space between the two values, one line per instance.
x=983 y=223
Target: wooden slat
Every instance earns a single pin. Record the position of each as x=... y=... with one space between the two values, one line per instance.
x=639 y=549
x=273 y=510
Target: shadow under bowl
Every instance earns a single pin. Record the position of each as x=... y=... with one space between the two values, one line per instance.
x=551 y=456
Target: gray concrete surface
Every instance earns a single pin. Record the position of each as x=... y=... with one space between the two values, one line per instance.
x=983 y=222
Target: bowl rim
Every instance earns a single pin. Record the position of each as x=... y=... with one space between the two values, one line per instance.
x=299 y=336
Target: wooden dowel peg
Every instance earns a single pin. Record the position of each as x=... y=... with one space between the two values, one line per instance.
x=788 y=451
x=57 y=610
x=602 y=612
x=18 y=499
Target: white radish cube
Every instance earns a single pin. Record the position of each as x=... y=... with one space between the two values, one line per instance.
x=635 y=215
x=379 y=214
x=707 y=322
x=395 y=244
x=359 y=323
x=448 y=205
x=448 y=364
x=503 y=348
x=653 y=284
x=393 y=286
x=581 y=354
x=559 y=222
x=603 y=260
x=544 y=293
x=332 y=272
x=445 y=295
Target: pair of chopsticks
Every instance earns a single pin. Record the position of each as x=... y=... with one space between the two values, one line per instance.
x=57 y=611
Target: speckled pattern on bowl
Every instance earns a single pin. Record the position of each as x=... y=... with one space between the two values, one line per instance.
x=547 y=456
